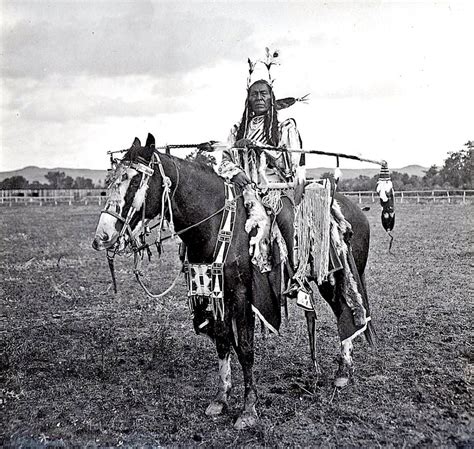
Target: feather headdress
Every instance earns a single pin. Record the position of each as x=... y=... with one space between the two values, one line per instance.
x=261 y=70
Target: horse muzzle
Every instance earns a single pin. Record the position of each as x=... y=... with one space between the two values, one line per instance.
x=104 y=241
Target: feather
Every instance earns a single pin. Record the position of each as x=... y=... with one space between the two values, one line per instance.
x=303 y=99
x=251 y=65
x=283 y=103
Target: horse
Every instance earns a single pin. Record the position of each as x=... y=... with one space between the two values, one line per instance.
x=195 y=200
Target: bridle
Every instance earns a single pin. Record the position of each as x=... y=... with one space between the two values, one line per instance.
x=137 y=243
x=147 y=172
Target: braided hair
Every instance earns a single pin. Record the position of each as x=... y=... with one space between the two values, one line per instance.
x=270 y=124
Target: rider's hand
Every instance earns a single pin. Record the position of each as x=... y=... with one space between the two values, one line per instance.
x=243 y=143
x=240 y=180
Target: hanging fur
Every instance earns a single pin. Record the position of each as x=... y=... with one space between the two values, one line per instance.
x=258 y=227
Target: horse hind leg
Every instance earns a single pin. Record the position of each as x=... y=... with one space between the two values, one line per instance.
x=346 y=366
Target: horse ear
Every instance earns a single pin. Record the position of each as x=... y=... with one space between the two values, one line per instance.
x=150 y=140
x=136 y=143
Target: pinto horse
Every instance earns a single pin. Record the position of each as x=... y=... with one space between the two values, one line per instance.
x=196 y=193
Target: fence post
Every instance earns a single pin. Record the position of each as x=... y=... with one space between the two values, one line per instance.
x=464 y=197
x=417 y=197
x=373 y=198
x=360 y=198
x=449 y=198
x=433 y=195
x=401 y=197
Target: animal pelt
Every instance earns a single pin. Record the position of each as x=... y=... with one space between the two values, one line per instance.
x=258 y=226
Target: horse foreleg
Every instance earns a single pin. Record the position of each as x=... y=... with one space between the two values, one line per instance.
x=346 y=366
x=219 y=403
x=245 y=352
x=311 y=324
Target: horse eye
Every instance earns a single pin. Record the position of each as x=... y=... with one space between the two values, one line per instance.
x=124 y=177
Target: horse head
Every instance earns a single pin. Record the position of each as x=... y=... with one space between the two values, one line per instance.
x=130 y=201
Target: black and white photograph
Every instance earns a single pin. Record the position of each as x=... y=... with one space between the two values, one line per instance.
x=234 y=223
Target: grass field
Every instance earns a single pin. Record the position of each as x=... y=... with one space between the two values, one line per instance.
x=82 y=366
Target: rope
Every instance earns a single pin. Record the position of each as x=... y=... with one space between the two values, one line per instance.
x=158 y=295
x=174 y=234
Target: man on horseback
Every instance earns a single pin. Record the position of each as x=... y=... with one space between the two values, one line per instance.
x=253 y=168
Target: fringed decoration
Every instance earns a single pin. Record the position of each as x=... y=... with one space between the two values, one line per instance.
x=385 y=190
x=312 y=220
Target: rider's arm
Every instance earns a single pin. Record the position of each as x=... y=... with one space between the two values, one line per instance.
x=290 y=138
x=229 y=166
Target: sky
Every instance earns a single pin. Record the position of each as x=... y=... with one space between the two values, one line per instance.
x=387 y=80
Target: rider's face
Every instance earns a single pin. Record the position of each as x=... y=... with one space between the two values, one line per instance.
x=260 y=98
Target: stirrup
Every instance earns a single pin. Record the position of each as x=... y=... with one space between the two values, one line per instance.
x=303 y=300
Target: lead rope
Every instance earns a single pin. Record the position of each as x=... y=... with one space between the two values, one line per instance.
x=138 y=273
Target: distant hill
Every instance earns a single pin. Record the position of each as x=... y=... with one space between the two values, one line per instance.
x=38 y=174
x=349 y=173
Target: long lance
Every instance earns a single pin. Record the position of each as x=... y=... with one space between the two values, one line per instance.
x=323 y=153
x=213 y=145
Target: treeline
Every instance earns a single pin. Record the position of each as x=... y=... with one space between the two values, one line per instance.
x=456 y=173
x=55 y=180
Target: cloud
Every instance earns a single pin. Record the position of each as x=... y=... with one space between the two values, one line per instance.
x=160 y=39
x=83 y=99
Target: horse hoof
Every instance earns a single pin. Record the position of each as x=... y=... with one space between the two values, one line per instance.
x=245 y=421
x=341 y=382
x=215 y=408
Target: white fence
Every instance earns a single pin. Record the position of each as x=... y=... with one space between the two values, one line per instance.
x=418 y=196
x=98 y=196
x=54 y=197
